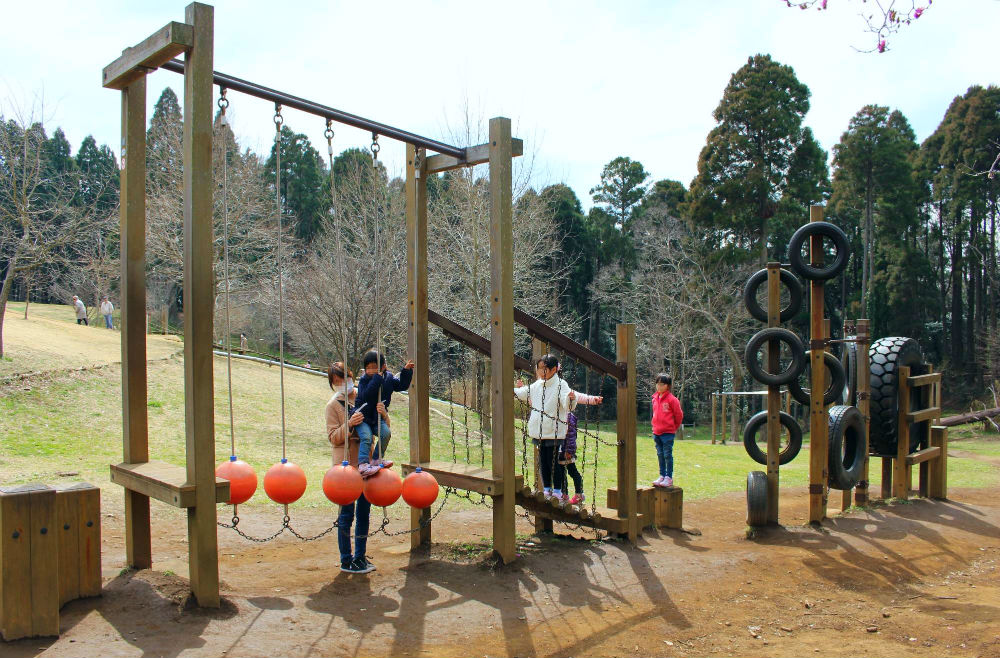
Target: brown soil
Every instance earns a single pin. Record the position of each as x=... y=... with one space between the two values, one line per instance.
x=914 y=579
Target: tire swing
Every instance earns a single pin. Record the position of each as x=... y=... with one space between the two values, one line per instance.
x=846 y=448
x=834 y=392
x=758 y=421
x=886 y=355
x=758 y=279
x=756 y=499
x=818 y=272
x=786 y=376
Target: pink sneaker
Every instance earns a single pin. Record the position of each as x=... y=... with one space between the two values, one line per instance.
x=385 y=463
x=668 y=481
x=658 y=482
x=577 y=499
x=368 y=470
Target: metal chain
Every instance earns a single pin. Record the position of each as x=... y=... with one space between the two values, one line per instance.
x=285 y=526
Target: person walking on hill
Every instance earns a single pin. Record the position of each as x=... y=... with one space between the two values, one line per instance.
x=81 y=311
x=107 y=308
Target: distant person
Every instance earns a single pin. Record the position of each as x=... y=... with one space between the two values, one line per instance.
x=307 y=366
x=107 y=308
x=667 y=418
x=81 y=311
x=243 y=343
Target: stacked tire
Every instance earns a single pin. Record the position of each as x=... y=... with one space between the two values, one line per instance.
x=885 y=357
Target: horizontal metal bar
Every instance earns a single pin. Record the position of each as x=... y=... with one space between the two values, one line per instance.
x=547 y=334
x=254 y=89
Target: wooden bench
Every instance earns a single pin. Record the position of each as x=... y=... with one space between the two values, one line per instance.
x=164 y=482
x=463 y=476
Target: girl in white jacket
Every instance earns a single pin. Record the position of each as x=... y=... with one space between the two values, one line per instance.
x=551 y=399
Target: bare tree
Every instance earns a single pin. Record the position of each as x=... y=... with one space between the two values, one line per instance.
x=42 y=219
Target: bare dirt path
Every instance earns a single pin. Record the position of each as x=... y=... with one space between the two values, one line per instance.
x=918 y=578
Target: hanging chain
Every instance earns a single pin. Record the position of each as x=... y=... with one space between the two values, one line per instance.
x=224 y=122
x=375 y=148
x=278 y=121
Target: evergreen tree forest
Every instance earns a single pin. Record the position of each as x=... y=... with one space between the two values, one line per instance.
x=670 y=256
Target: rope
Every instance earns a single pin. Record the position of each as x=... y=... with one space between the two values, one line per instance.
x=278 y=120
x=223 y=104
x=329 y=134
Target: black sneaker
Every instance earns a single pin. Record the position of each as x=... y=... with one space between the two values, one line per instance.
x=362 y=565
x=349 y=567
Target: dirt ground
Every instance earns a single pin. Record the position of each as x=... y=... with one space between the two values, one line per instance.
x=918 y=579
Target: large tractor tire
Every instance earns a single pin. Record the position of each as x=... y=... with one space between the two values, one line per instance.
x=885 y=357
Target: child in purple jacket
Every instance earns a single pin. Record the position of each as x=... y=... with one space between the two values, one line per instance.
x=567 y=455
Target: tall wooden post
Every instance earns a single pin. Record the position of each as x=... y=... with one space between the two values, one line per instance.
x=138 y=550
x=417 y=336
x=901 y=471
x=539 y=349
x=773 y=392
x=199 y=306
x=937 y=477
x=711 y=399
x=818 y=417
x=864 y=404
x=628 y=500
x=502 y=333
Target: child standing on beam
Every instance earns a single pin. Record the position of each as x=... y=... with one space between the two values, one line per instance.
x=667 y=418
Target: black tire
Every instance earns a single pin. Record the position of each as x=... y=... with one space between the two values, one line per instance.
x=833 y=393
x=818 y=272
x=885 y=356
x=846 y=448
x=759 y=420
x=849 y=360
x=756 y=499
x=787 y=375
x=759 y=278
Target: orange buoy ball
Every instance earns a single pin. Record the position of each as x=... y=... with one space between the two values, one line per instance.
x=383 y=488
x=242 y=479
x=420 y=489
x=342 y=484
x=284 y=482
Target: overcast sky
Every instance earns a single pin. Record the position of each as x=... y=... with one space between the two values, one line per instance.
x=584 y=82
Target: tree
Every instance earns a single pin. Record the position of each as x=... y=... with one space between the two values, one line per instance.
x=575 y=246
x=881 y=18
x=743 y=170
x=303 y=181
x=41 y=222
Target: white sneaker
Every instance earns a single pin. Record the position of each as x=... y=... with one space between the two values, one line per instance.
x=668 y=481
x=658 y=482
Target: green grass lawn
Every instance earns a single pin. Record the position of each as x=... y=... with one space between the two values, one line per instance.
x=70 y=422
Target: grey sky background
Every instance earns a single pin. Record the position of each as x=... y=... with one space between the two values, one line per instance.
x=584 y=82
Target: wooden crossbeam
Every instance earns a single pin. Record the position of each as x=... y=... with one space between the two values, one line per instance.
x=164 y=482
x=462 y=476
x=931 y=413
x=547 y=334
x=474 y=155
x=162 y=46
x=924 y=380
x=603 y=518
x=924 y=455
x=472 y=339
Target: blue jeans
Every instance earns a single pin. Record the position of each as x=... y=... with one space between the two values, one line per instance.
x=344 y=521
x=365 y=434
x=665 y=453
x=107 y=321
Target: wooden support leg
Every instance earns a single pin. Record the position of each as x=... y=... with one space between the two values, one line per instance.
x=864 y=386
x=887 y=471
x=628 y=501
x=901 y=472
x=937 y=476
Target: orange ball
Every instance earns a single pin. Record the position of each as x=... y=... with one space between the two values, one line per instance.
x=284 y=482
x=242 y=479
x=342 y=484
x=420 y=489
x=383 y=488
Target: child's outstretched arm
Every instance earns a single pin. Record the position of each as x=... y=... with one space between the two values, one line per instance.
x=521 y=391
x=583 y=398
x=402 y=382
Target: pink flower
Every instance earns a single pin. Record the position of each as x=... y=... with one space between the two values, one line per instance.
x=881 y=46
x=917 y=12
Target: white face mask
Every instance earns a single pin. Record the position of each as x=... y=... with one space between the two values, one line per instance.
x=347 y=387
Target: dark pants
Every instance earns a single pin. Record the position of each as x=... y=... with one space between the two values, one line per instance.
x=665 y=453
x=562 y=469
x=82 y=321
x=344 y=522
x=548 y=466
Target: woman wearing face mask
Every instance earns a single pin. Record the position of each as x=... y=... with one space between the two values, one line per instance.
x=341 y=430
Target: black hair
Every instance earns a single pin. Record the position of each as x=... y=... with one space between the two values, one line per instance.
x=664 y=378
x=371 y=356
x=549 y=361
x=337 y=369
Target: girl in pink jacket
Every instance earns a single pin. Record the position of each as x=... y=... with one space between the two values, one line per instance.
x=667 y=417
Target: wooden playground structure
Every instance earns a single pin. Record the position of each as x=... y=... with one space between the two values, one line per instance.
x=932 y=452
x=195 y=487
